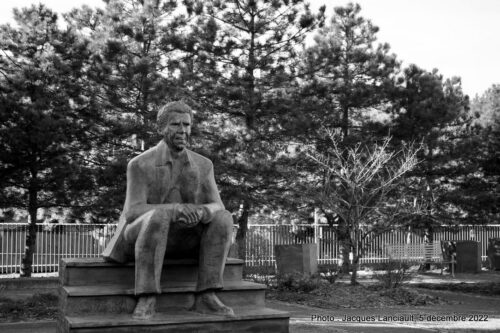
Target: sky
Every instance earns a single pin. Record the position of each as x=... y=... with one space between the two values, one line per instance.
x=458 y=37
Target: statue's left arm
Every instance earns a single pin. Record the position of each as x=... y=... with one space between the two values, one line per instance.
x=212 y=200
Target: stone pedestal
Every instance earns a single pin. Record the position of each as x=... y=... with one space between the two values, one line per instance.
x=468 y=257
x=297 y=258
x=97 y=296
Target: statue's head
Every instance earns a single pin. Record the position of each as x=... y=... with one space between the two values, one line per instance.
x=174 y=122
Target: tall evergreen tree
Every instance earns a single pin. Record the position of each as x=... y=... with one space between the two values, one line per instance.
x=244 y=55
x=433 y=111
x=347 y=69
x=477 y=192
x=134 y=60
x=47 y=122
x=426 y=103
x=345 y=72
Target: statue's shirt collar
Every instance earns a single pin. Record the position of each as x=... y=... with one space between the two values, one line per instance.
x=164 y=155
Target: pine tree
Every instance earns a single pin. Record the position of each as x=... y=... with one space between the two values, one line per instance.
x=347 y=69
x=475 y=192
x=134 y=61
x=345 y=73
x=433 y=111
x=47 y=121
x=243 y=65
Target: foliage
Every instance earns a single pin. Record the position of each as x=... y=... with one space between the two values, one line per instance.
x=424 y=104
x=47 y=120
x=261 y=274
x=241 y=69
x=241 y=74
x=348 y=69
x=362 y=186
x=394 y=274
x=76 y=103
x=483 y=288
x=134 y=56
x=482 y=195
x=38 y=307
x=404 y=296
x=329 y=273
x=341 y=296
x=433 y=111
x=299 y=282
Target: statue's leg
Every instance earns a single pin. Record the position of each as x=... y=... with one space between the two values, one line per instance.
x=214 y=247
x=149 y=232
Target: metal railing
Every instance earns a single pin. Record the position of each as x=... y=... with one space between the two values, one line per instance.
x=53 y=242
x=261 y=239
x=56 y=241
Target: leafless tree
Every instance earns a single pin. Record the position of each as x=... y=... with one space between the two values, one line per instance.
x=363 y=186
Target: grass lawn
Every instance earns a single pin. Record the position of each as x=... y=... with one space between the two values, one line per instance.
x=37 y=307
x=342 y=295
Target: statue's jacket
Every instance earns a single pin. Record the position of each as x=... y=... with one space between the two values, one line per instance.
x=150 y=180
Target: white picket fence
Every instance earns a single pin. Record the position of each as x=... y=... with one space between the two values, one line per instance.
x=53 y=242
x=261 y=239
x=56 y=241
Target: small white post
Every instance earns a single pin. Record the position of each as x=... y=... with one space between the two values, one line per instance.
x=316 y=226
x=316 y=231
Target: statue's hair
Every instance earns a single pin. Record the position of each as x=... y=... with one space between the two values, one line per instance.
x=169 y=108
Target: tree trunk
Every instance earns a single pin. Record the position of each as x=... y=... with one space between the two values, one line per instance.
x=355 y=258
x=242 y=230
x=355 y=268
x=345 y=249
x=345 y=123
x=344 y=240
x=345 y=243
x=27 y=261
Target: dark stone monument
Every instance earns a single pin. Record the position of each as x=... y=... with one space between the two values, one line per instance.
x=297 y=258
x=166 y=268
x=494 y=253
x=468 y=257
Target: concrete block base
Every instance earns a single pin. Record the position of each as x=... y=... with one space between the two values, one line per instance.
x=96 y=296
x=257 y=320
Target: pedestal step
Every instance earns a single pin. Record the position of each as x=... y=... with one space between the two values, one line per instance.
x=96 y=271
x=97 y=296
x=257 y=320
x=117 y=299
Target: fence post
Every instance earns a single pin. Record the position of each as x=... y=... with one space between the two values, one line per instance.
x=316 y=232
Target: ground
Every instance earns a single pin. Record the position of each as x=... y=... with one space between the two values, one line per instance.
x=466 y=303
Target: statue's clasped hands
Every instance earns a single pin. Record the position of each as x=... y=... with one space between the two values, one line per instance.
x=190 y=215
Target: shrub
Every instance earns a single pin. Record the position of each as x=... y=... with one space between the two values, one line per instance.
x=39 y=306
x=405 y=296
x=299 y=282
x=394 y=274
x=330 y=273
x=260 y=274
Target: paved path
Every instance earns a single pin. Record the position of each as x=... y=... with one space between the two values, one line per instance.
x=31 y=327
x=435 y=318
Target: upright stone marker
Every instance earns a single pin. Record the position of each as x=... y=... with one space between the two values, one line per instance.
x=494 y=253
x=468 y=257
x=297 y=258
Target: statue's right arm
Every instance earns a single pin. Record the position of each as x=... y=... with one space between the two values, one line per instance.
x=137 y=194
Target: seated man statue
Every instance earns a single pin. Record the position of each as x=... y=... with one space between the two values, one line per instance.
x=173 y=209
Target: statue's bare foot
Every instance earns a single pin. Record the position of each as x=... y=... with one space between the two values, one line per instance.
x=208 y=303
x=145 y=307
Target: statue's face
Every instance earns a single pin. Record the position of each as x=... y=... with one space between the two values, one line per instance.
x=177 y=130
